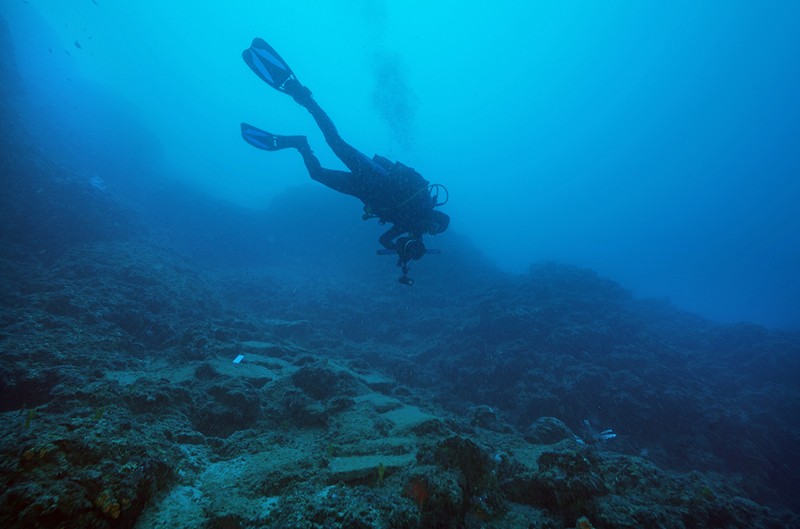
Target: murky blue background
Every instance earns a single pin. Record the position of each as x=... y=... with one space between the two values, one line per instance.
x=656 y=144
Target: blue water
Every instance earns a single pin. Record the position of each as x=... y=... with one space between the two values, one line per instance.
x=656 y=144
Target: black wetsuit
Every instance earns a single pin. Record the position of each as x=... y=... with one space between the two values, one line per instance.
x=392 y=192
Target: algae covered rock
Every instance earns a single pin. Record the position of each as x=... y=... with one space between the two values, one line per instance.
x=227 y=408
x=548 y=431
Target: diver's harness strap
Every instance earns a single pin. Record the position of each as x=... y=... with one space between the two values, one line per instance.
x=434 y=189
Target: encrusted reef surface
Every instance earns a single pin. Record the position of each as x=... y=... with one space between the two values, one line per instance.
x=123 y=407
x=230 y=371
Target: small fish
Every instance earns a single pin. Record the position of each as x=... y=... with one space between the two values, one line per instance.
x=605 y=435
x=77 y=44
x=95 y=3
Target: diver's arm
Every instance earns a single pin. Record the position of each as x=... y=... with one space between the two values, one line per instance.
x=387 y=239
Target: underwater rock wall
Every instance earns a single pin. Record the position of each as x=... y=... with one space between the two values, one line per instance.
x=123 y=407
x=44 y=208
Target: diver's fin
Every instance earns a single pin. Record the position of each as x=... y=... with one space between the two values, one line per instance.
x=271 y=142
x=267 y=64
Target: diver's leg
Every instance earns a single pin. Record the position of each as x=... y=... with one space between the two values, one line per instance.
x=340 y=181
x=356 y=161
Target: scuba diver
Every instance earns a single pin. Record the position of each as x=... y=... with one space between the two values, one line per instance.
x=391 y=191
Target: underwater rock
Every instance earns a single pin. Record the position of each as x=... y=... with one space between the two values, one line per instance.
x=290 y=329
x=321 y=383
x=548 y=431
x=341 y=506
x=26 y=389
x=486 y=417
x=293 y=408
x=367 y=469
x=226 y=409
x=480 y=488
x=149 y=396
x=439 y=495
x=73 y=483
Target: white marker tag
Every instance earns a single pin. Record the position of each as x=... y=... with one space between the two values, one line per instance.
x=238 y=359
